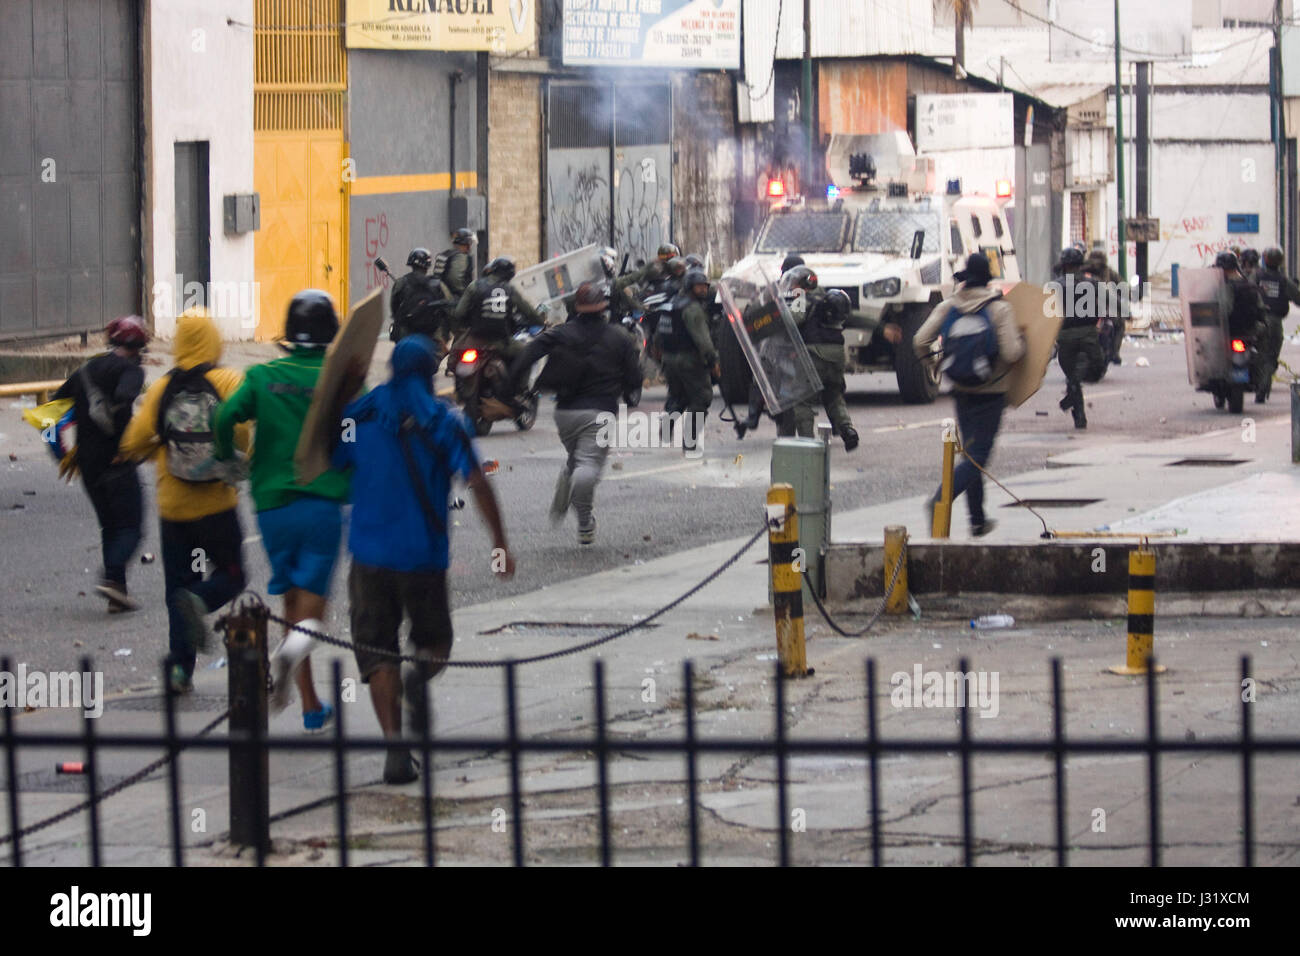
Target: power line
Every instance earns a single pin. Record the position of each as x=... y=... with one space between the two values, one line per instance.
x=776 y=43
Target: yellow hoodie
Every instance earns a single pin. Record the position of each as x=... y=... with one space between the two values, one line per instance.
x=197 y=341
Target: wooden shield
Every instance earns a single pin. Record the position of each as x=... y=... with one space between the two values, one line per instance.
x=357 y=338
x=1040 y=323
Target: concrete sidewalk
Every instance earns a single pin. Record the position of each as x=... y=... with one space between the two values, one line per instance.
x=725 y=630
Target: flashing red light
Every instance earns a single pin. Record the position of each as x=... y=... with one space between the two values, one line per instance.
x=1238 y=345
x=775 y=189
x=1004 y=188
x=469 y=356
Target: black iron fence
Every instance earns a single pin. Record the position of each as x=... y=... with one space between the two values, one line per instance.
x=250 y=751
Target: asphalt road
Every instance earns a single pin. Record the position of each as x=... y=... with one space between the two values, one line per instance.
x=653 y=502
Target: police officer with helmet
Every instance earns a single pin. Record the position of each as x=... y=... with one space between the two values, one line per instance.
x=820 y=316
x=492 y=310
x=1078 y=344
x=1246 y=318
x=454 y=267
x=1278 y=292
x=417 y=302
x=688 y=356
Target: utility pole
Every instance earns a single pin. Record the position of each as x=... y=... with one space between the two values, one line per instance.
x=1142 y=161
x=807 y=95
x=1119 y=154
x=1279 y=125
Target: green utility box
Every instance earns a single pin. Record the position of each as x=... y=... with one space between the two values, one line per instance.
x=803 y=463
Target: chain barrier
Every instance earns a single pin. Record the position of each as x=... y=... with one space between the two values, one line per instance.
x=536 y=658
x=884 y=601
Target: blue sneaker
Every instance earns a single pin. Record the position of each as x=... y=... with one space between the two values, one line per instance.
x=315 y=721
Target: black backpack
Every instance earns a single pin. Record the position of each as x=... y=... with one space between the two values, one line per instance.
x=423 y=309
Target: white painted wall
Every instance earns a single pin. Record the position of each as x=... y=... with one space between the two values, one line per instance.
x=1214 y=116
x=198 y=85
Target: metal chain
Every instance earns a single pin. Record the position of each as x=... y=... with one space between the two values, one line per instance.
x=536 y=658
x=145 y=771
x=893 y=582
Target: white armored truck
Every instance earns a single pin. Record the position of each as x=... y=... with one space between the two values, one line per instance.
x=886 y=236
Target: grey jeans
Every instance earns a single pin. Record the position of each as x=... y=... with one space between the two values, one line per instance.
x=578 y=428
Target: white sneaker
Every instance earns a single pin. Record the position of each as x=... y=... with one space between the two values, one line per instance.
x=291 y=653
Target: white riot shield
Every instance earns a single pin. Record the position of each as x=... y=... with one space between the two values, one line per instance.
x=769 y=338
x=1204 y=299
x=544 y=284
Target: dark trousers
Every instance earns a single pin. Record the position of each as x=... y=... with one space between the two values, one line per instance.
x=206 y=557
x=978 y=420
x=116 y=498
x=1079 y=353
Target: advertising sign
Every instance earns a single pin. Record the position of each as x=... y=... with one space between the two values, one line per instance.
x=964 y=121
x=497 y=26
x=678 y=34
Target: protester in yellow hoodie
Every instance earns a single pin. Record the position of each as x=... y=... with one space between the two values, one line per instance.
x=200 y=532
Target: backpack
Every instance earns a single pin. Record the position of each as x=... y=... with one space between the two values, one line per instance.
x=185 y=425
x=101 y=411
x=970 y=347
x=423 y=309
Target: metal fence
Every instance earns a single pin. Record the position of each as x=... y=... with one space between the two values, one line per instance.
x=254 y=749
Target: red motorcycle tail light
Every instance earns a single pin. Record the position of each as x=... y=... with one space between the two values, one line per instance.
x=1238 y=345
x=470 y=356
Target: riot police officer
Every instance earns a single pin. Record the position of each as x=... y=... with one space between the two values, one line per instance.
x=1107 y=280
x=662 y=289
x=417 y=302
x=755 y=409
x=1078 y=344
x=454 y=267
x=1246 y=320
x=1278 y=293
x=688 y=356
x=492 y=309
x=820 y=317
x=1249 y=263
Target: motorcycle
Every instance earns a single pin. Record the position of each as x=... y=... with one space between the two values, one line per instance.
x=1241 y=359
x=481 y=380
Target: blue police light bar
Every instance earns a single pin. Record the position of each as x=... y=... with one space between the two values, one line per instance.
x=954 y=187
x=832 y=192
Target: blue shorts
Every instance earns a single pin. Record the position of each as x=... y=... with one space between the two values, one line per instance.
x=302 y=542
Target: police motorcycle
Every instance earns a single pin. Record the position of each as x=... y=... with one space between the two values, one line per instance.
x=1220 y=332
x=481 y=378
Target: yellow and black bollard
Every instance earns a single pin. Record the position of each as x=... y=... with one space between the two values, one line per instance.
x=896 y=564
x=787 y=579
x=941 y=522
x=1141 y=612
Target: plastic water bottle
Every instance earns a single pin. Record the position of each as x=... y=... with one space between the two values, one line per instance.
x=991 y=622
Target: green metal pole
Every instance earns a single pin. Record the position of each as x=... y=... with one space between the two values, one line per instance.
x=1119 y=154
x=807 y=95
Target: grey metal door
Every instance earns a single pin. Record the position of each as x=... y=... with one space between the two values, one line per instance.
x=193 y=236
x=69 y=165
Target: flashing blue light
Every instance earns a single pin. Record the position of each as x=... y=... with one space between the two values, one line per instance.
x=832 y=192
x=954 y=187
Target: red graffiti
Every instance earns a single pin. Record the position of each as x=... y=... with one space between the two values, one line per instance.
x=1196 y=224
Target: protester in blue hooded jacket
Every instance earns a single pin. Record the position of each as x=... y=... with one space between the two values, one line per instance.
x=404 y=446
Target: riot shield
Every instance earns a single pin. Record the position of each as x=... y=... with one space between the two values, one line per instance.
x=769 y=339
x=1204 y=299
x=544 y=284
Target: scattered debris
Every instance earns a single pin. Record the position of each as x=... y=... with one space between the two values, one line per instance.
x=616 y=465
x=122 y=652
x=147 y=558
x=1143 y=362
x=695 y=636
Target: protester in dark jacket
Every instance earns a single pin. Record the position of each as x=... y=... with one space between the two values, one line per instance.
x=114 y=379
x=591 y=365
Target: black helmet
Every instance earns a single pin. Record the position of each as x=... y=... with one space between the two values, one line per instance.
x=790 y=262
x=694 y=261
x=838 y=307
x=1250 y=257
x=1071 y=258
x=667 y=251
x=693 y=278
x=1273 y=257
x=1226 y=260
x=591 y=297
x=502 y=267
x=312 y=319
x=656 y=271
x=419 y=258
x=677 y=266
x=462 y=237
x=800 y=277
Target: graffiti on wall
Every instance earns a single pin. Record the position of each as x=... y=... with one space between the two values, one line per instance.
x=642 y=204
x=1193 y=235
x=376 y=243
x=578 y=202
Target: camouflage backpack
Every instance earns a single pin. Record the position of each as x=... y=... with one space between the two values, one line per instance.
x=185 y=427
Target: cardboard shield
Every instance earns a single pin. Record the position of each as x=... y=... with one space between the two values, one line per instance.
x=1039 y=323
x=547 y=282
x=769 y=339
x=356 y=339
x=1204 y=299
